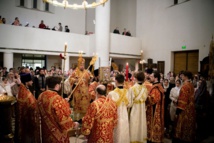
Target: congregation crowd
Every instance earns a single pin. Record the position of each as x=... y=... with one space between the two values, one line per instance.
x=42 y=25
x=146 y=107
x=125 y=32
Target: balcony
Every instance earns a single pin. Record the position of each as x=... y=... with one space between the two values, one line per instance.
x=19 y=39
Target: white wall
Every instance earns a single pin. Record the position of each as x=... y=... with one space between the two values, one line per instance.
x=123 y=15
x=124 y=45
x=75 y=19
x=164 y=28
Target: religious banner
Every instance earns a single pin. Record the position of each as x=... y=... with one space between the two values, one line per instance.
x=104 y=74
x=211 y=59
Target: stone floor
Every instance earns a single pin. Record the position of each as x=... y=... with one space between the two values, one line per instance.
x=81 y=139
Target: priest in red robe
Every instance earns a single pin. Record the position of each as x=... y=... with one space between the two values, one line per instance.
x=155 y=110
x=55 y=113
x=185 y=126
x=100 y=119
x=27 y=115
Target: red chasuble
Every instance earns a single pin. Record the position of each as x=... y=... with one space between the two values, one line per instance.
x=27 y=120
x=155 y=113
x=55 y=117
x=100 y=120
x=186 y=124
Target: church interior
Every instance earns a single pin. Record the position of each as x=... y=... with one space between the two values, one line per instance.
x=163 y=35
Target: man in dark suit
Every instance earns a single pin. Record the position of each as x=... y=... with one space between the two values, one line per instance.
x=116 y=31
x=128 y=33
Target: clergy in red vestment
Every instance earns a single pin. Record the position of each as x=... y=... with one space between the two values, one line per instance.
x=80 y=78
x=55 y=113
x=27 y=115
x=185 y=113
x=155 y=110
x=100 y=119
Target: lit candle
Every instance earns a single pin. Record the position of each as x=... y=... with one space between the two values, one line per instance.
x=141 y=55
x=127 y=71
x=65 y=49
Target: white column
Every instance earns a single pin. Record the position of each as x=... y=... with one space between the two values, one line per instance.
x=28 y=3
x=40 y=5
x=102 y=34
x=8 y=60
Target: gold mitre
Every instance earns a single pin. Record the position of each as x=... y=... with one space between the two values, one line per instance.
x=81 y=60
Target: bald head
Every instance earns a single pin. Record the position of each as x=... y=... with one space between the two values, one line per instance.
x=101 y=90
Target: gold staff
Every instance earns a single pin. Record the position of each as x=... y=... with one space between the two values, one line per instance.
x=92 y=62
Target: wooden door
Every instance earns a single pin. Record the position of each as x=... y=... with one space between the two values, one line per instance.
x=179 y=62
x=192 y=63
x=187 y=60
x=161 y=66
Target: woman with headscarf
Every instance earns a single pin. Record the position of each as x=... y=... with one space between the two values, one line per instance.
x=174 y=93
x=201 y=107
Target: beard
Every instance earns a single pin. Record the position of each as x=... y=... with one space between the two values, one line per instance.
x=152 y=81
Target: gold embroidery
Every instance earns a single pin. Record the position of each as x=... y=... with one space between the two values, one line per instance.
x=106 y=120
x=141 y=100
x=138 y=102
x=100 y=109
x=182 y=102
x=122 y=97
